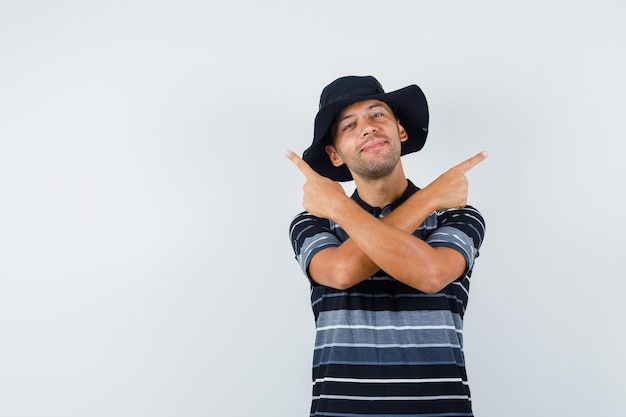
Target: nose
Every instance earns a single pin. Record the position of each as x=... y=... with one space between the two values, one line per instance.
x=368 y=128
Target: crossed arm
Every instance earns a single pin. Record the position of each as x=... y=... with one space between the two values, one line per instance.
x=386 y=243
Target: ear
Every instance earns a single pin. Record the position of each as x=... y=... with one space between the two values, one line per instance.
x=403 y=135
x=335 y=159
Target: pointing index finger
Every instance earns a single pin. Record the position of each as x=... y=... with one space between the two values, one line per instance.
x=299 y=163
x=472 y=162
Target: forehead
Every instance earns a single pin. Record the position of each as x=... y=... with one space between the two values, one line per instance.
x=362 y=106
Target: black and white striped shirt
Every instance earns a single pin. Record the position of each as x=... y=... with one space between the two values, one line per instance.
x=383 y=348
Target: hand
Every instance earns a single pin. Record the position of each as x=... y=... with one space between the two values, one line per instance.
x=322 y=196
x=450 y=189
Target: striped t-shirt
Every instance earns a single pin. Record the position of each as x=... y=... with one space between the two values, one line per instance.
x=383 y=348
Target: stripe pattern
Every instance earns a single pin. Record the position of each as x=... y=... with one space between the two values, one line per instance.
x=383 y=348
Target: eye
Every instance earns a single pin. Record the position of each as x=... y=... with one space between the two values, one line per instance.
x=379 y=114
x=348 y=126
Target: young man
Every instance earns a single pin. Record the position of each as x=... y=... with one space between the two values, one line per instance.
x=389 y=267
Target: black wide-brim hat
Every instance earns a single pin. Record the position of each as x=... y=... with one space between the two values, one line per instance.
x=408 y=104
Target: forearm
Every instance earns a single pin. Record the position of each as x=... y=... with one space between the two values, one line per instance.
x=399 y=253
x=348 y=264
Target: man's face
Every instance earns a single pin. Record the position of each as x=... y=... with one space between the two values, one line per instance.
x=367 y=137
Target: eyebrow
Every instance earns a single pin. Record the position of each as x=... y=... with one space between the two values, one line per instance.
x=347 y=116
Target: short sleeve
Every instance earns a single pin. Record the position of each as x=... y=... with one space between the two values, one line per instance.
x=460 y=229
x=309 y=235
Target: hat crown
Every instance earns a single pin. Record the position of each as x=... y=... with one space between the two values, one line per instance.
x=352 y=86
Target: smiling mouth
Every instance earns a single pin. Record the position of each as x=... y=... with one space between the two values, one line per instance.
x=373 y=145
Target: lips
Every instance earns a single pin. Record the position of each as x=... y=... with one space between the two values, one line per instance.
x=374 y=145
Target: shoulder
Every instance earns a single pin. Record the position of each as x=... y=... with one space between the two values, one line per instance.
x=306 y=226
x=305 y=220
x=466 y=219
x=467 y=214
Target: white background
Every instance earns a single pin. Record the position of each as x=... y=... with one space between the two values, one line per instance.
x=145 y=265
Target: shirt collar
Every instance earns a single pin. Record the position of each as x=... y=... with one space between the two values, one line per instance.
x=380 y=212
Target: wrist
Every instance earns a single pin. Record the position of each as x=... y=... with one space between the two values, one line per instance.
x=343 y=209
x=428 y=199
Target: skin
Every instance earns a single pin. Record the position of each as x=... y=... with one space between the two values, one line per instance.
x=367 y=138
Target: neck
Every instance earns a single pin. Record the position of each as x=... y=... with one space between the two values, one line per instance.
x=382 y=191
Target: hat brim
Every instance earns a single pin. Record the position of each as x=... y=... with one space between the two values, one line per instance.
x=409 y=106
